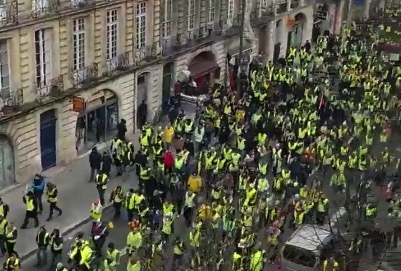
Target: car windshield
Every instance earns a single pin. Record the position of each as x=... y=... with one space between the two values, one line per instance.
x=299 y=256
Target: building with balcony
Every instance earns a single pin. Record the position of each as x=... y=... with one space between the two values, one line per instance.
x=71 y=69
x=281 y=25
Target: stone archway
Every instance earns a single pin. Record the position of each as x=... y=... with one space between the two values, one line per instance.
x=298 y=29
x=204 y=69
x=7 y=162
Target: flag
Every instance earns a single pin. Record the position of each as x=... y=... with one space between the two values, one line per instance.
x=321 y=103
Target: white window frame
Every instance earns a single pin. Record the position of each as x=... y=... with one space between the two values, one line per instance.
x=141 y=21
x=230 y=12
x=112 y=33
x=191 y=16
x=211 y=12
x=43 y=58
x=40 y=6
x=5 y=91
x=167 y=16
x=79 y=44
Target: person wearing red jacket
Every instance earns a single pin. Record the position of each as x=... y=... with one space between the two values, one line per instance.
x=168 y=160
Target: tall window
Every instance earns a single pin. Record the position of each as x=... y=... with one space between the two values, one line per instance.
x=111 y=33
x=43 y=57
x=141 y=25
x=230 y=15
x=78 y=30
x=166 y=18
x=4 y=71
x=191 y=15
x=211 y=14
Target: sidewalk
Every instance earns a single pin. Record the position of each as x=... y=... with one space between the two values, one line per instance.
x=75 y=197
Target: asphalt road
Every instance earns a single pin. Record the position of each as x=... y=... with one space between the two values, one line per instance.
x=117 y=235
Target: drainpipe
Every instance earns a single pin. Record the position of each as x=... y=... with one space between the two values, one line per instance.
x=349 y=14
x=135 y=92
x=241 y=42
x=334 y=28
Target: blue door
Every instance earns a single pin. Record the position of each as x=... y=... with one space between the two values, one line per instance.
x=48 y=123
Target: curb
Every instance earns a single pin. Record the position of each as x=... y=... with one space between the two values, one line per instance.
x=66 y=232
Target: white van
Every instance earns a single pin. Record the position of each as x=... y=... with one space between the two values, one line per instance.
x=307 y=247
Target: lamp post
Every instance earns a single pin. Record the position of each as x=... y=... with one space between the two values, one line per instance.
x=241 y=42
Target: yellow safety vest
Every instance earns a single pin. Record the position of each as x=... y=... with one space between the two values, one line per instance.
x=51 y=195
x=29 y=204
x=10 y=235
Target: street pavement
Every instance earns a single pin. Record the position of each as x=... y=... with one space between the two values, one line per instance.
x=117 y=235
x=75 y=196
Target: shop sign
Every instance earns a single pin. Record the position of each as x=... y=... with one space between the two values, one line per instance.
x=78 y=104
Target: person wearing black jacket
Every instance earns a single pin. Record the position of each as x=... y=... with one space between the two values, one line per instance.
x=4 y=208
x=43 y=241
x=56 y=247
x=95 y=162
x=140 y=160
x=106 y=163
x=121 y=129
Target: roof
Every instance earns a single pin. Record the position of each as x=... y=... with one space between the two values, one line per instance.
x=310 y=237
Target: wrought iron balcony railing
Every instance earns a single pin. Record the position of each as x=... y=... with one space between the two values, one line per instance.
x=42 y=8
x=120 y=63
x=8 y=13
x=199 y=33
x=295 y=4
x=281 y=7
x=10 y=100
x=147 y=53
x=85 y=76
x=52 y=88
x=77 y=4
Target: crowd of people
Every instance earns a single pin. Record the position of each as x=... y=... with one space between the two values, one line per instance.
x=243 y=171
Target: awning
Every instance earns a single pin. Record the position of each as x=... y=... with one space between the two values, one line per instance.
x=203 y=67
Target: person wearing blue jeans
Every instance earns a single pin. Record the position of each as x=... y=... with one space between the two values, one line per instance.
x=38 y=189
